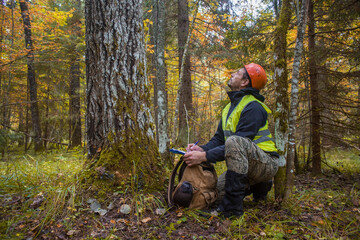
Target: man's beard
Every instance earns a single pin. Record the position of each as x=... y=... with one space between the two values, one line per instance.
x=229 y=84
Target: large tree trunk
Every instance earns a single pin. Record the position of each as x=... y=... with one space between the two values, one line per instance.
x=160 y=96
x=32 y=85
x=314 y=95
x=118 y=121
x=290 y=164
x=281 y=89
x=185 y=96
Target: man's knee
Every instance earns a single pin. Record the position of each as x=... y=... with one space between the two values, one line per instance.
x=236 y=154
x=237 y=142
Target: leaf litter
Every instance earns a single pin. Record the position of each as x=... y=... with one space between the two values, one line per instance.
x=324 y=207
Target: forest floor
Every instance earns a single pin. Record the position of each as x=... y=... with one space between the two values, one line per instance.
x=38 y=200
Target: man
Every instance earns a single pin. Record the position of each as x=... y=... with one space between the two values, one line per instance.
x=243 y=140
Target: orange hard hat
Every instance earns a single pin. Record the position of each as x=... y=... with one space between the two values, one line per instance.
x=257 y=75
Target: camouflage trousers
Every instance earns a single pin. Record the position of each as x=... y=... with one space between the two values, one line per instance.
x=243 y=156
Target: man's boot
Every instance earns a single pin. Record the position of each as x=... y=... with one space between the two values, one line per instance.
x=235 y=187
x=260 y=190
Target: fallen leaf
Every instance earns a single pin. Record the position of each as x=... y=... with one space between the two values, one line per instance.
x=160 y=211
x=125 y=209
x=72 y=232
x=355 y=202
x=145 y=220
x=111 y=206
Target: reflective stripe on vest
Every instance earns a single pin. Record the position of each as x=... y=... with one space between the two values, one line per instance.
x=263 y=138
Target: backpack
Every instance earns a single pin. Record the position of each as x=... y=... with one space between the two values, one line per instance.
x=196 y=188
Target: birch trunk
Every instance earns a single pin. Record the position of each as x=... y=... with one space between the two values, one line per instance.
x=121 y=142
x=160 y=96
x=294 y=100
x=314 y=95
x=282 y=101
x=32 y=85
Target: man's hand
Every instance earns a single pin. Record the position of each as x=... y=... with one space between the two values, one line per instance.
x=193 y=147
x=194 y=157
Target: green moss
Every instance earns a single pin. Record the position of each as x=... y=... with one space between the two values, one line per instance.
x=128 y=155
x=279 y=180
x=284 y=126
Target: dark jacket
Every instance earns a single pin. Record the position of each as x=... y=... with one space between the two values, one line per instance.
x=253 y=117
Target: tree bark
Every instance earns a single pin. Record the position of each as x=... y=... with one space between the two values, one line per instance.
x=314 y=95
x=276 y=8
x=185 y=92
x=32 y=85
x=21 y=127
x=282 y=101
x=160 y=96
x=75 y=105
x=5 y=88
x=358 y=110
x=75 y=134
x=1 y=46
x=47 y=110
x=290 y=164
x=121 y=142
x=26 y=122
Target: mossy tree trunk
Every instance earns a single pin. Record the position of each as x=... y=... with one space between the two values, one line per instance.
x=119 y=130
x=314 y=95
x=282 y=100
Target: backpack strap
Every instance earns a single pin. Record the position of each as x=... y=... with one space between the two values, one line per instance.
x=181 y=170
x=172 y=180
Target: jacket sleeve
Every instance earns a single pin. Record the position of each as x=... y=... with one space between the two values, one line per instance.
x=253 y=117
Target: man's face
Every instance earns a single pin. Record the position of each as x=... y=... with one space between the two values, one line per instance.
x=237 y=82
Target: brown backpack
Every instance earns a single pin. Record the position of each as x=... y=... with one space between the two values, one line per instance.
x=196 y=188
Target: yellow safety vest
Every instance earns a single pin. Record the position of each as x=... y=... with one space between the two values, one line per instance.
x=263 y=138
